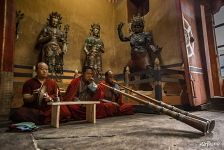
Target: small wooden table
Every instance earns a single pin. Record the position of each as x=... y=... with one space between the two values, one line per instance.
x=90 y=110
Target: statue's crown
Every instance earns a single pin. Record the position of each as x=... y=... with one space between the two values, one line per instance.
x=137 y=18
x=55 y=15
x=95 y=26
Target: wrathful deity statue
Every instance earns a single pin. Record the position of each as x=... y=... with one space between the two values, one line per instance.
x=53 y=44
x=94 y=48
x=143 y=50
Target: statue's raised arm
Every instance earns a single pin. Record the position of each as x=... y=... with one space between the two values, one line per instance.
x=120 y=33
x=143 y=49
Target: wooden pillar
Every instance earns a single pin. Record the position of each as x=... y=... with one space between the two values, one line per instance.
x=205 y=27
x=7 y=40
x=126 y=79
x=157 y=80
x=214 y=78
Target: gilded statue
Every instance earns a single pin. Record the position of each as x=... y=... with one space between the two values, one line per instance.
x=53 y=44
x=94 y=48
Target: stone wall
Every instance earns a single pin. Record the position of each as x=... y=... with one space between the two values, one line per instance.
x=6 y=93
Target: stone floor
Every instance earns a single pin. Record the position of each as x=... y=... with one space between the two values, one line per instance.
x=134 y=132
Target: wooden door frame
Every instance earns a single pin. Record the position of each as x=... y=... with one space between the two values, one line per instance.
x=184 y=52
x=208 y=40
x=212 y=76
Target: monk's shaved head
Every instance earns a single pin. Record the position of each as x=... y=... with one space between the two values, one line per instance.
x=109 y=77
x=109 y=72
x=42 y=70
x=40 y=64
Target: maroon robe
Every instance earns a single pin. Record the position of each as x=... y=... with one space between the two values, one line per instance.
x=107 y=94
x=39 y=113
x=79 y=112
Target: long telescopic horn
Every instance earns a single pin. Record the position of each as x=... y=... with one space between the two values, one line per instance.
x=170 y=107
x=195 y=123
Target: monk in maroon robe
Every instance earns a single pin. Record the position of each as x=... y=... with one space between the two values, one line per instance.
x=36 y=93
x=83 y=88
x=108 y=95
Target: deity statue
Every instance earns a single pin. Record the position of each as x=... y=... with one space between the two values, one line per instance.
x=94 y=48
x=53 y=44
x=19 y=17
x=143 y=50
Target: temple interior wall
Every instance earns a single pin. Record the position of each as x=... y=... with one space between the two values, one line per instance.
x=79 y=15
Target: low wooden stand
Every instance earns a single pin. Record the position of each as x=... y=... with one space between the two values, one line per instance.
x=90 y=111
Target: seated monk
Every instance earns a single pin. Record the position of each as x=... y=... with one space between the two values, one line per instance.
x=83 y=88
x=36 y=93
x=108 y=95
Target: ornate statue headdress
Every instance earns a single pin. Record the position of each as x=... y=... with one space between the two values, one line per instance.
x=55 y=15
x=137 y=20
x=94 y=26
